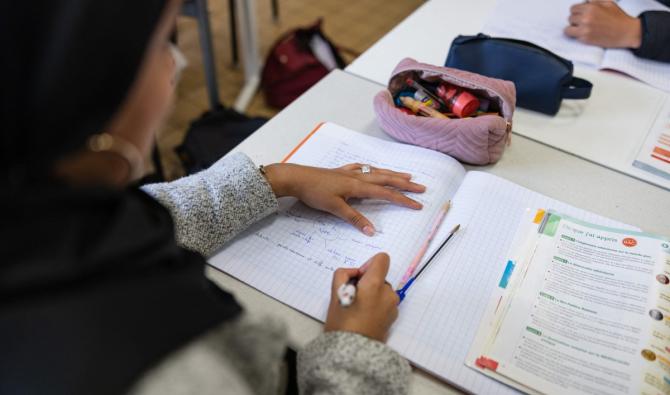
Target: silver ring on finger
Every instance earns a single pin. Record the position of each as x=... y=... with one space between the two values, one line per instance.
x=366 y=169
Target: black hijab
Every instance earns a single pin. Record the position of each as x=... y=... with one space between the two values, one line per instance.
x=66 y=67
x=93 y=288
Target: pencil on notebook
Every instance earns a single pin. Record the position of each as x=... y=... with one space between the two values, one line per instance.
x=424 y=247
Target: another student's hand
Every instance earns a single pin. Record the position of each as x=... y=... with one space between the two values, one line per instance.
x=329 y=189
x=604 y=24
x=376 y=305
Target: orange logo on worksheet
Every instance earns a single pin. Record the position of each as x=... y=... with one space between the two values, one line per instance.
x=629 y=242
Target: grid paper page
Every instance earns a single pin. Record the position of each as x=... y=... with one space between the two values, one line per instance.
x=656 y=74
x=440 y=315
x=291 y=255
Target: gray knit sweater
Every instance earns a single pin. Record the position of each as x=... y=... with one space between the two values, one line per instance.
x=244 y=356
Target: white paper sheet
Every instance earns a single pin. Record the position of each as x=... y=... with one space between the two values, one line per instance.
x=543 y=22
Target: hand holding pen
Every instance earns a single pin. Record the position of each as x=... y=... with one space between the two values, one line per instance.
x=362 y=301
x=376 y=303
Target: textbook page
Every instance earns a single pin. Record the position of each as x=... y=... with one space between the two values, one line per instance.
x=542 y=23
x=509 y=280
x=589 y=314
x=290 y=256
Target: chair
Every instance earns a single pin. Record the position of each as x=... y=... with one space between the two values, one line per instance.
x=198 y=9
x=233 y=26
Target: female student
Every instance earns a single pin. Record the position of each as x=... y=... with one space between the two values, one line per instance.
x=605 y=24
x=102 y=287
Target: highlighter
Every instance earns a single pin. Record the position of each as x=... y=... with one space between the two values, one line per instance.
x=426 y=100
x=420 y=108
x=420 y=88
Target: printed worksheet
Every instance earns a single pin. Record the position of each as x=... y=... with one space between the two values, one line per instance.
x=588 y=312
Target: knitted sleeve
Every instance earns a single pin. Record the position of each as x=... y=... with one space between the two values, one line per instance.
x=349 y=363
x=212 y=206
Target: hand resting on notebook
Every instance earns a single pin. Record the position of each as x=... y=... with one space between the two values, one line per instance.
x=329 y=189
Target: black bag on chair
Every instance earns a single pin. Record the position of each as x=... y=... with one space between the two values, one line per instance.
x=214 y=134
x=542 y=78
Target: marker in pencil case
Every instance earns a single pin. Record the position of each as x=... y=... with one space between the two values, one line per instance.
x=402 y=291
x=458 y=100
x=427 y=101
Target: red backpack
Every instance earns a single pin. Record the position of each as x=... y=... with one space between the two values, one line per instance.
x=292 y=66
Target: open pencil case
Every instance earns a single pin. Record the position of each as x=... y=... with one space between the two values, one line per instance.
x=477 y=140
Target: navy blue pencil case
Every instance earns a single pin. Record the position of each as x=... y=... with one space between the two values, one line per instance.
x=542 y=78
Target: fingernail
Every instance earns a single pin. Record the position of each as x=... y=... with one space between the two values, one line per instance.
x=369 y=230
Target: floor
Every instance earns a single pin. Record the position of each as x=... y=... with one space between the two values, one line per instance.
x=354 y=24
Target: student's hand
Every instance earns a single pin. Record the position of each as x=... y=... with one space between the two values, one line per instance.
x=604 y=24
x=376 y=305
x=329 y=189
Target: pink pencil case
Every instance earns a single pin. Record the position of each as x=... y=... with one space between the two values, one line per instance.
x=478 y=140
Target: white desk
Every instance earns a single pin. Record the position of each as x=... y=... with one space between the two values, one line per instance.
x=608 y=128
x=347 y=100
x=425 y=35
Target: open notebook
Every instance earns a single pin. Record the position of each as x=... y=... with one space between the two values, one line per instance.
x=291 y=255
x=542 y=23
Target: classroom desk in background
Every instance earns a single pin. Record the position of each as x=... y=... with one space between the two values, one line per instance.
x=608 y=128
x=347 y=100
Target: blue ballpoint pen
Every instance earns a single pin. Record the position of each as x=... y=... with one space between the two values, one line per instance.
x=402 y=291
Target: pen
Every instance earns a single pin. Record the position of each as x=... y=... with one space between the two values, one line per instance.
x=346 y=293
x=424 y=247
x=401 y=292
